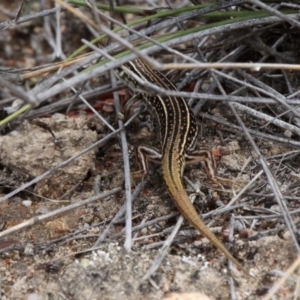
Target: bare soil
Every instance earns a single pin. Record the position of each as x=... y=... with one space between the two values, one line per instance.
x=53 y=259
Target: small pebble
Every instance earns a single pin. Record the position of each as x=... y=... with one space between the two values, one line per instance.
x=27 y=203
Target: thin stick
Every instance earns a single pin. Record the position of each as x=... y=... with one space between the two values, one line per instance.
x=288 y=273
x=272 y=182
x=56 y=212
x=119 y=215
x=219 y=65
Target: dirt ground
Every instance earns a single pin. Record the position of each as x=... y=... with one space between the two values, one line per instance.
x=54 y=259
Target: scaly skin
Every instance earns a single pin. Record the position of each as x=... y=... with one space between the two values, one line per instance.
x=178 y=132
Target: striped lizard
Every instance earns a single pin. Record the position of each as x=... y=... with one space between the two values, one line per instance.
x=178 y=133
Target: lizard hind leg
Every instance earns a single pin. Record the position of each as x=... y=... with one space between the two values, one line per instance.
x=208 y=158
x=144 y=155
x=205 y=156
